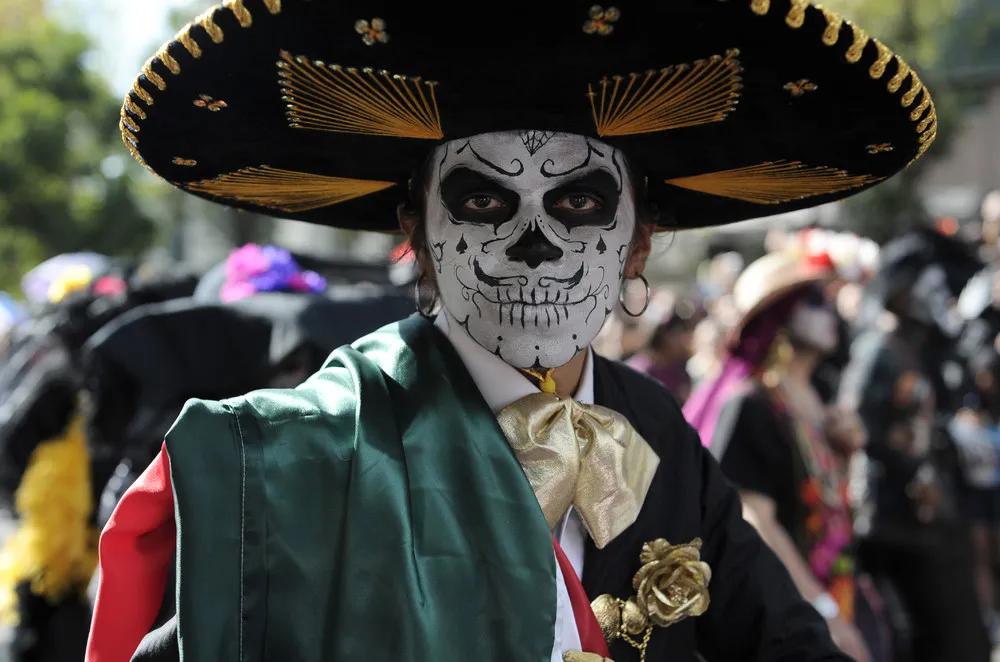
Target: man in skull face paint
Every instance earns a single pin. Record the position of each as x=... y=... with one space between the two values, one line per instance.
x=530 y=244
x=482 y=486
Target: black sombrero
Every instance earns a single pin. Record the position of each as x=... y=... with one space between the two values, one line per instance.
x=320 y=110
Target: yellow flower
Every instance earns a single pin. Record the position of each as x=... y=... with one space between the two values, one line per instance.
x=673 y=582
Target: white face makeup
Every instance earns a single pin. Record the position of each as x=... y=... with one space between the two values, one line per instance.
x=529 y=234
x=814 y=324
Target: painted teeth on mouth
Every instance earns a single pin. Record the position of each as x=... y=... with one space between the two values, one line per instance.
x=541 y=314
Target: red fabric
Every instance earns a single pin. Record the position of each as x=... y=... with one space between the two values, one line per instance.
x=591 y=636
x=136 y=550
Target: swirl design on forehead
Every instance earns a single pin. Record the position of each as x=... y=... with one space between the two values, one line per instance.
x=489 y=164
x=591 y=150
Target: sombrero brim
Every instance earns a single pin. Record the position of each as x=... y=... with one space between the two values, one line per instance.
x=321 y=111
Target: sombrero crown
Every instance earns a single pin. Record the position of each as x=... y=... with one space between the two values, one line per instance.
x=321 y=110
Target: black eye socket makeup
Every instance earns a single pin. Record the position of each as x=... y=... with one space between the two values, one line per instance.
x=473 y=198
x=591 y=200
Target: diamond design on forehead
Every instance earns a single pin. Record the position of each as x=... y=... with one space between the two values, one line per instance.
x=535 y=140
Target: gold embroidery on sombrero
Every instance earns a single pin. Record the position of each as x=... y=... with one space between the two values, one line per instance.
x=760 y=7
x=372 y=33
x=799 y=87
x=131 y=113
x=671 y=98
x=601 y=20
x=285 y=190
x=211 y=103
x=774 y=182
x=187 y=163
x=879 y=148
x=329 y=97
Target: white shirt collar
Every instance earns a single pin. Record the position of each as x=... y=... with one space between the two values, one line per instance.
x=500 y=383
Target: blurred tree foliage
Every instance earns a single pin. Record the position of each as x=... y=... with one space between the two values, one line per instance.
x=940 y=38
x=65 y=182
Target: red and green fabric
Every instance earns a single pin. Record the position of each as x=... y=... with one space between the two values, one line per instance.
x=375 y=513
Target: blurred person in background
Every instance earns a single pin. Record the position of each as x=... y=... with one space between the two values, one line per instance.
x=666 y=354
x=918 y=546
x=976 y=431
x=50 y=475
x=990 y=214
x=708 y=342
x=784 y=449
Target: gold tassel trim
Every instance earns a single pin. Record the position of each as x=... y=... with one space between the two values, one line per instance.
x=208 y=25
x=152 y=76
x=285 y=190
x=796 y=16
x=902 y=71
x=187 y=41
x=857 y=48
x=168 y=61
x=877 y=70
x=678 y=96
x=54 y=546
x=774 y=182
x=329 y=97
x=239 y=11
x=273 y=6
x=831 y=34
x=132 y=108
x=915 y=87
x=760 y=7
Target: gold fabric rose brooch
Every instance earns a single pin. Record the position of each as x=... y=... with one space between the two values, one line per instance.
x=671 y=585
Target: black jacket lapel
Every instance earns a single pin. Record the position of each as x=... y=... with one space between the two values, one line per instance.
x=610 y=570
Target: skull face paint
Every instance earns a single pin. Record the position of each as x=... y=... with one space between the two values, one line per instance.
x=529 y=233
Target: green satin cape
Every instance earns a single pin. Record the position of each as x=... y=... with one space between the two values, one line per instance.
x=374 y=513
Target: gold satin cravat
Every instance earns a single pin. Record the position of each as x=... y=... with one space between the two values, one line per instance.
x=586 y=456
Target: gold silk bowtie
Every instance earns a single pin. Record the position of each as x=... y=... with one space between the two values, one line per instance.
x=586 y=456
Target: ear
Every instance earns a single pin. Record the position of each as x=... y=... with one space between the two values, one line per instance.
x=410 y=224
x=642 y=244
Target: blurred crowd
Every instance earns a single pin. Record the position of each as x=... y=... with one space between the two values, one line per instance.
x=850 y=391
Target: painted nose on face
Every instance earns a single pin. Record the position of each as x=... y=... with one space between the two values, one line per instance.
x=533 y=248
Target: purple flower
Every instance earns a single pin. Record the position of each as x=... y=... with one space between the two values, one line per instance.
x=253 y=269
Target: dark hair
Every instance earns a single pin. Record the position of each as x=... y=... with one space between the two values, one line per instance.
x=646 y=212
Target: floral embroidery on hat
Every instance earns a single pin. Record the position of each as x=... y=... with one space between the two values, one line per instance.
x=372 y=33
x=601 y=20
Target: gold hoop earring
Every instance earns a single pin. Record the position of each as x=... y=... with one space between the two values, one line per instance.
x=621 y=297
x=426 y=310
